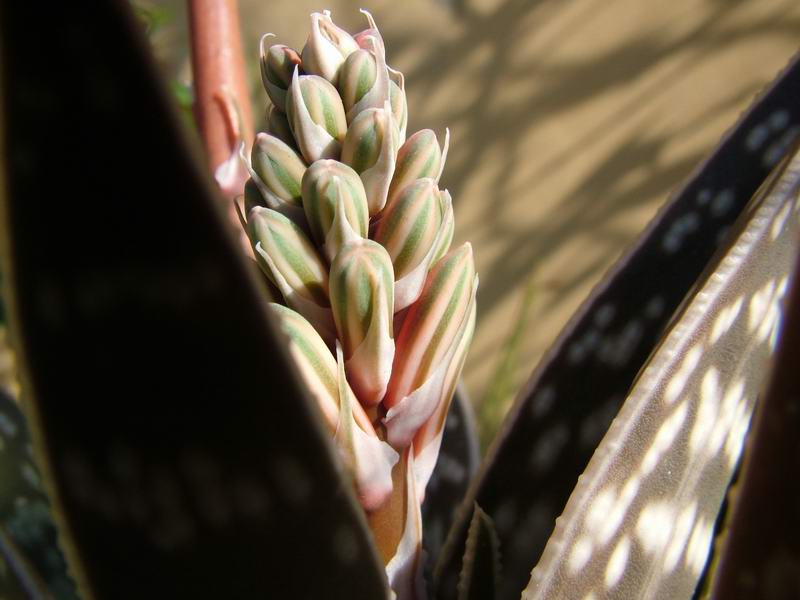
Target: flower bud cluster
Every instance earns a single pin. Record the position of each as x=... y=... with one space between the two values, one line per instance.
x=347 y=220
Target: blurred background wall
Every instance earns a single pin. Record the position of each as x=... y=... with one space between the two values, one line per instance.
x=571 y=122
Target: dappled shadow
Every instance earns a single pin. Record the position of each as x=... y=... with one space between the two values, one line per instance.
x=519 y=92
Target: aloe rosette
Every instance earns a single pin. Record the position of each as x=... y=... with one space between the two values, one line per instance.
x=347 y=220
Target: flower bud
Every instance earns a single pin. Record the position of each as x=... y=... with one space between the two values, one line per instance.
x=327 y=47
x=291 y=262
x=409 y=227
x=279 y=167
x=362 y=299
x=397 y=98
x=364 y=80
x=426 y=344
x=325 y=185
x=369 y=147
x=447 y=229
x=369 y=460
x=277 y=65
x=356 y=78
x=290 y=208
x=418 y=157
x=316 y=117
x=278 y=125
x=428 y=439
x=411 y=231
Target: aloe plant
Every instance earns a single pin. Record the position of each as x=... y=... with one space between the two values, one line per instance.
x=191 y=436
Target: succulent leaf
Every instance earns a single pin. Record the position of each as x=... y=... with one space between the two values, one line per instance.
x=480 y=573
x=209 y=429
x=611 y=337
x=316 y=117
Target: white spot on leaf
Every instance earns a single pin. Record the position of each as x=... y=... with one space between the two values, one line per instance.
x=617 y=562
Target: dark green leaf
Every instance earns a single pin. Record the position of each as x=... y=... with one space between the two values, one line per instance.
x=24 y=508
x=480 y=571
x=185 y=458
x=640 y=522
x=577 y=389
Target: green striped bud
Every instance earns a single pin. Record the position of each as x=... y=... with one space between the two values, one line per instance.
x=369 y=460
x=447 y=231
x=428 y=439
x=411 y=231
x=426 y=343
x=364 y=80
x=278 y=125
x=418 y=157
x=362 y=299
x=277 y=65
x=292 y=264
x=356 y=78
x=316 y=117
x=369 y=147
x=327 y=47
x=289 y=208
x=326 y=185
x=279 y=167
x=397 y=98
